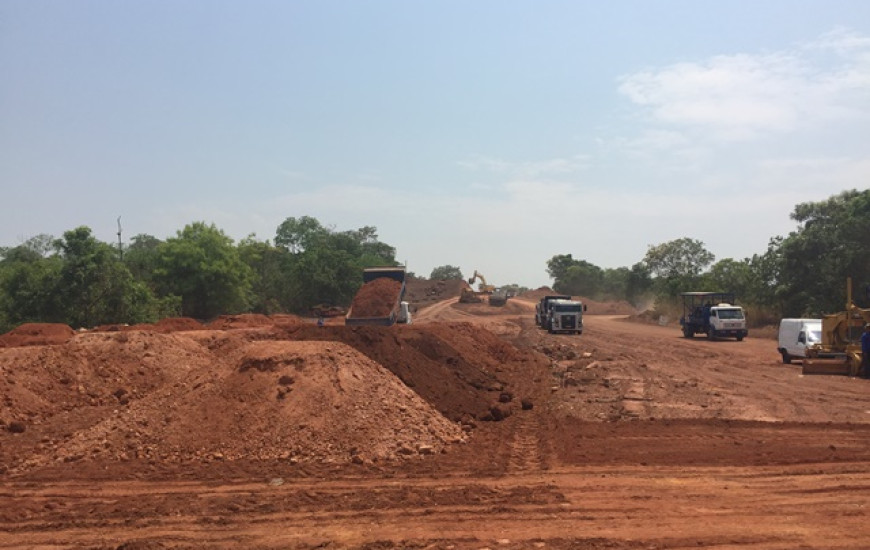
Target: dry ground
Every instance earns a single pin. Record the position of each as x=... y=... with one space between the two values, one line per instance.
x=470 y=429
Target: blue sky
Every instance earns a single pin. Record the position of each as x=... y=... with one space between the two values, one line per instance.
x=488 y=135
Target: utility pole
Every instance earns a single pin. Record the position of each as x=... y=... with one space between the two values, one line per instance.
x=120 y=246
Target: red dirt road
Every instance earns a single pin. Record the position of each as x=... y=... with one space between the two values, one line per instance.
x=635 y=438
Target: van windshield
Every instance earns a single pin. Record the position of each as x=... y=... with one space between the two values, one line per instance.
x=814 y=335
x=731 y=313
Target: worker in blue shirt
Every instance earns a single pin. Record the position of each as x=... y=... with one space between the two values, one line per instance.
x=865 y=351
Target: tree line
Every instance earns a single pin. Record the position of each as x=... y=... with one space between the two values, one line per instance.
x=200 y=273
x=800 y=275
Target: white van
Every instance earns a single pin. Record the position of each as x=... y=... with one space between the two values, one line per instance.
x=795 y=335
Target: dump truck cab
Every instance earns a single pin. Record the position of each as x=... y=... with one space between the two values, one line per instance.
x=565 y=316
x=542 y=308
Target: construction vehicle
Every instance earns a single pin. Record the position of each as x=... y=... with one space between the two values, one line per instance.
x=542 y=308
x=841 y=338
x=468 y=296
x=565 y=316
x=795 y=336
x=713 y=314
x=388 y=298
x=482 y=287
x=499 y=297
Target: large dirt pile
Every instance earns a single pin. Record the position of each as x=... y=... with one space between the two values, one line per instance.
x=37 y=334
x=457 y=367
x=376 y=298
x=287 y=390
x=245 y=320
x=301 y=401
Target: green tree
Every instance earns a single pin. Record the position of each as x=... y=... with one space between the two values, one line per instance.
x=203 y=267
x=273 y=286
x=27 y=288
x=446 y=273
x=729 y=275
x=583 y=278
x=831 y=243
x=296 y=235
x=580 y=279
x=39 y=246
x=95 y=288
x=557 y=266
x=677 y=265
x=140 y=256
x=326 y=265
x=372 y=251
x=638 y=284
x=766 y=277
x=614 y=283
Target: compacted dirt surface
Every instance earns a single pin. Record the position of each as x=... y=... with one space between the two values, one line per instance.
x=469 y=429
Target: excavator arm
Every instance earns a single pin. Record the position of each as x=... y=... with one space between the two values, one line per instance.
x=483 y=287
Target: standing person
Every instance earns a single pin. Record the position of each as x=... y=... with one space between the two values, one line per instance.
x=865 y=351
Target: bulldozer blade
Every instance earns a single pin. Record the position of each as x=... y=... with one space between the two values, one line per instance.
x=826 y=366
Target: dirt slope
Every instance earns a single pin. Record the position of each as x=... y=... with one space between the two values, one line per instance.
x=469 y=429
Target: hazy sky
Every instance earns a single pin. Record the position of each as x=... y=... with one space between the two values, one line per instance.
x=489 y=135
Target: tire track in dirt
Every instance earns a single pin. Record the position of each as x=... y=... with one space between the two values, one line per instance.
x=525 y=451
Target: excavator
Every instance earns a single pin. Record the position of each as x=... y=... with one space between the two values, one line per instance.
x=469 y=296
x=483 y=287
x=841 y=337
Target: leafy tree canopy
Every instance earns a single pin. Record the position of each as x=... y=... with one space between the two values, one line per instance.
x=678 y=259
x=446 y=273
x=201 y=265
x=831 y=244
x=296 y=235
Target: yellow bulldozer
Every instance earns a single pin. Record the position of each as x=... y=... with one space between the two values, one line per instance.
x=841 y=337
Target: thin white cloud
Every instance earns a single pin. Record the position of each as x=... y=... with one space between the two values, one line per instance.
x=744 y=96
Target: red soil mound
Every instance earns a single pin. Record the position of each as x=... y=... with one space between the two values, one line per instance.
x=287 y=390
x=456 y=367
x=376 y=298
x=173 y=324
x=37 y=334
x=284 y=319
x=245 y=320
x=163 y=326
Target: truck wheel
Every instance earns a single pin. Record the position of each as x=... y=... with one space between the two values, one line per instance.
x=786 y=358
x=687 y=332
x=740 y=338
x=710 y=334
